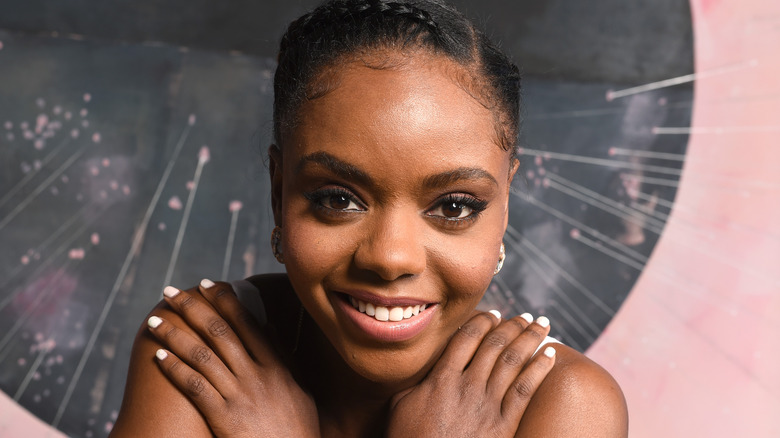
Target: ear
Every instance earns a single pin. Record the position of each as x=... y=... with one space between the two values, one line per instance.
x=513 y=167
x=275 y=169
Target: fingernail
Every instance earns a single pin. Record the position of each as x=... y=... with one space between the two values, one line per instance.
x=170 y=291
x=527 y=316
x=154 y=321
x=543 y=321
x=162 y=354
x=206 y=283
x=549 y=351
x=495 y=313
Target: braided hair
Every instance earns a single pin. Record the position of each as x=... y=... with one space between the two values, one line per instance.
x=339 y=29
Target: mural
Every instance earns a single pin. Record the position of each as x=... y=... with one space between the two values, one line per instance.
x=645 y=223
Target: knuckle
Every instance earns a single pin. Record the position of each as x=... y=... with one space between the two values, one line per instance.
x=186 y=302
x=222 y=292
x=534 y=333
x=523 y=387
x=218 y=328
x=470 y=331
x=496 y=340
x=512 y=357
x=200 y=354
x=195 y=385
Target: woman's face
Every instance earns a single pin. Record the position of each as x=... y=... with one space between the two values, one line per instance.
x=392 y=195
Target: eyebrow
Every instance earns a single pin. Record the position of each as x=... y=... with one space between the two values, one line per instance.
x=462 y=173
x=352 y=172
x=333 y=164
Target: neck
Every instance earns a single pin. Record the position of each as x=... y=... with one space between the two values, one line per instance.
x=348 y=404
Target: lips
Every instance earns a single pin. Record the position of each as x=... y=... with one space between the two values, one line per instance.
x=386 y=319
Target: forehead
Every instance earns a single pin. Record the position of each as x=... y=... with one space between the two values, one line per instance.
x=415 y=111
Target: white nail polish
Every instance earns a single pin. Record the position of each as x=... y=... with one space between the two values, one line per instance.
x=495 y=313
x=170 y=291
x=154 y=321
x=549 y=351
x=162 y=354
x=543 y=321
x=206 y=283
x=527 y=316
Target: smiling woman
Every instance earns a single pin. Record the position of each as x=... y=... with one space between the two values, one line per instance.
x=395 y=137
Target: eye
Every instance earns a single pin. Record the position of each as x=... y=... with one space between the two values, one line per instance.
x=458 y=207
x=334 y=199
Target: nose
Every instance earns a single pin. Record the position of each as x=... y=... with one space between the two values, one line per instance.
x=393 y=246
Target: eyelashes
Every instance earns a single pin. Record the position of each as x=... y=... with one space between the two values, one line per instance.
x=453 y=209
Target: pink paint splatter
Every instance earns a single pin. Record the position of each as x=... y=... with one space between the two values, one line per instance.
x=529 y=174
x=109 y=425
x=96 y=137
x=126 y=189
x=28 y=135
x=94 y=170
x=204 y=155
x=24 y=126
x=105 y=162
x=85 y=123
x=175 y=203
x=114 y=185
x=610 y=95
x=39 y=144
x=1 y=45
x=9 y=125
x=611 y=151
x=542 y=171
x=87 y=97
x=235 y=206
x=76 y=254
x=68 y=115
x=574 y=233
x=191 y=120
x=40 y=102
x=55 y=191
x=37 y=164
x=25 y=260
x=95 y=238
x=57 y=110
x=65 y=179
x=546 y=183
x=538 y=160
x=83 y=112
x=663 y=101
x=190 y=185
x=161 y=226
x=74 y=133
x=103 y=194
x=40 y=122
x=22 y=361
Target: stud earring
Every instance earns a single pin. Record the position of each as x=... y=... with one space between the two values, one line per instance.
x=276 y=237
x=501 y=257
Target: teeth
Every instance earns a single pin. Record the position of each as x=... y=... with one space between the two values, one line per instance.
x=382 y=313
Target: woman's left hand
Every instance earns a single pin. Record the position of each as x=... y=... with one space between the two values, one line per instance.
x=481 y=385
x=237 y=381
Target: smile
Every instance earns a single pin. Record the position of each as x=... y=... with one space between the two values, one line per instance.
x=383 y=313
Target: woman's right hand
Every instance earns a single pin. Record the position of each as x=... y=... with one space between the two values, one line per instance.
x=481 y=385
x=235 y=379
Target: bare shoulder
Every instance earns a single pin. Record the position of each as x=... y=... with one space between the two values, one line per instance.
x=152 y=406
x=578 y=398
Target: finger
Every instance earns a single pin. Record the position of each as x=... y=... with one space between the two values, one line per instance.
x=191 y=383
x=492 y=347
x=517 y=354
x=518 y=396
x=252 y=335
x=209 y=325
x=197 y=355
x=464 y=343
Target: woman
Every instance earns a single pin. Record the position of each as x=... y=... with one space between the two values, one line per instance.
x=395 y=128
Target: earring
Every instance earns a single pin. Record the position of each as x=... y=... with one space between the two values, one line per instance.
x=276 y=237
x=501 y=257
